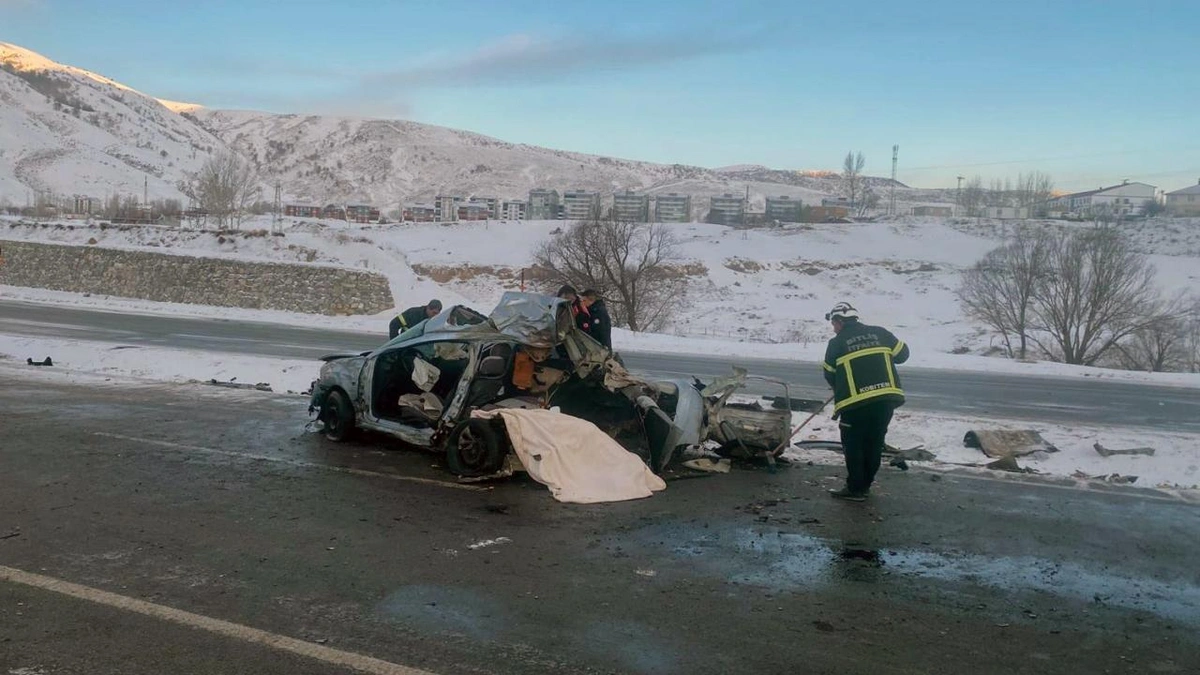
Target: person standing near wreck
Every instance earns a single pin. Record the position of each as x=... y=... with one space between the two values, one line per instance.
x=860 y=366
x=600 y=326
x=413 y=316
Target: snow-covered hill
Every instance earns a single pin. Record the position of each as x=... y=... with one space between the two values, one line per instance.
x=71 y=131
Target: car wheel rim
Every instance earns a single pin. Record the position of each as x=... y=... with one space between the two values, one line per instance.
x=469 y=447
x=331 y=419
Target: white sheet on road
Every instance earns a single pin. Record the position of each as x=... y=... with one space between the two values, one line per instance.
x=578 y=462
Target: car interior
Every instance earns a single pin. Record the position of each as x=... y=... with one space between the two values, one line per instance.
x=412 y=385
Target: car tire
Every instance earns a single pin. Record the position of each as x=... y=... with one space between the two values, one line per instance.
x=338 y=416
x=476 y=448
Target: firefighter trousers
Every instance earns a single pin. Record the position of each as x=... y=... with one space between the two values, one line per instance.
x=863 y=432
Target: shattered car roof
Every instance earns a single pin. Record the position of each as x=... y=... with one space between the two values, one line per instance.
x=531 y=319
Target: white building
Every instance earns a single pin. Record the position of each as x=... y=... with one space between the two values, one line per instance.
x=1185 y=202
x=543 y=205
x=513 y=210
x=580 y=204
x=1005 y=212
x=673 y=208
x=1126 y=199
x=784 y=209
x=492 y=204
x=631 y=207
x=446 y=208
x=727 y=209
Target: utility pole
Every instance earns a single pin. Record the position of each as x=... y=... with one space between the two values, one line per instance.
x=277 y=206
x=895 y=157
x=146 y=196
x=958 y=198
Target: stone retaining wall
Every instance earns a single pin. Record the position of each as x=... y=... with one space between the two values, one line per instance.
x=199 y=281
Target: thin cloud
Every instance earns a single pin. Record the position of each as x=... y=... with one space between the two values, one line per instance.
x=513 y=60
x=525 y=59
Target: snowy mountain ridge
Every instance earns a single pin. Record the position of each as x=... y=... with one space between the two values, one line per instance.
x=65 y=130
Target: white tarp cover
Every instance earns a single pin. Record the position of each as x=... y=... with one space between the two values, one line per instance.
x=578 y=462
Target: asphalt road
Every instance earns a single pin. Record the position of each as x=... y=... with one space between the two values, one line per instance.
x=216 y=503
x=1015 y=396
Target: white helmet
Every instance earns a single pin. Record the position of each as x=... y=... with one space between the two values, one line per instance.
x=843 y=311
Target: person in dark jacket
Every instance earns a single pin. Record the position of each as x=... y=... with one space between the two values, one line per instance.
x=413 y=316
x=601 y=323
x=860 y=366
x=579 y=312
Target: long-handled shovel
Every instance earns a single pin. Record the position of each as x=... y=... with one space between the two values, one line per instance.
x=803 y=424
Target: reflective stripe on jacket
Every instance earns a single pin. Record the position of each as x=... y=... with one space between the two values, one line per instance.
x=860 y=365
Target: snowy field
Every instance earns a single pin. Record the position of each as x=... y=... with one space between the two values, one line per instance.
x=752 y=293
x=1175 y=467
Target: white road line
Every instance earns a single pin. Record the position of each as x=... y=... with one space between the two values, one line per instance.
x=293 y=462
x=236 y=631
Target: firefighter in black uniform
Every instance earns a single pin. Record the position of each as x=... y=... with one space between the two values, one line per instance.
x=413 y=316
x=860 y=365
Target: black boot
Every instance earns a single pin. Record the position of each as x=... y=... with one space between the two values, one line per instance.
x=846 y=494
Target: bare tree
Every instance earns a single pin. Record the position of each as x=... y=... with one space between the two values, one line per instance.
x=1000 y=193
x=1191 y=339
x=999 y=289
x=1100 y=292
x=630 y=264
x=225 y=187
x=868 y=199
x=1158 y=347
x=973 y=196
x=852 y=178
x=1033 y=191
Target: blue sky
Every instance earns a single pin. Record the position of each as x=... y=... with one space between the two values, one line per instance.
x=1091 y=92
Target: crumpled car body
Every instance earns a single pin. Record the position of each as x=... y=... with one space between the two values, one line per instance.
x=422 y=386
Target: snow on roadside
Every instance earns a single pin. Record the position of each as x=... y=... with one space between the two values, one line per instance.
x=624 y=340
x=1174 y=466
x=170 y=365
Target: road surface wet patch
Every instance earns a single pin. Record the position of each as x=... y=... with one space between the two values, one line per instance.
x=796 y=560
x=630 y=643
x=442 y=609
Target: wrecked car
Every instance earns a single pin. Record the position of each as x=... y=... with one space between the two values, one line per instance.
x=422 y=386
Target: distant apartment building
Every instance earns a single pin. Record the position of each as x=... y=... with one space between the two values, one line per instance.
x=302 y=211
x=420 y=213
x=840 y=202
x=934 y=211
x=543 y=205
x=631 y=207
x=673 y=208
x=1126 y=199
x=1004 y=212
x=784 y=209
x=86 y=206
x=362 y=213
x=474 y=211
x=1185 y=202
x=492 y=204
x=826 y=214
x=727 y=209
x=446 y=208
x=513 y=210
x=333 y=212
x=580 y=204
